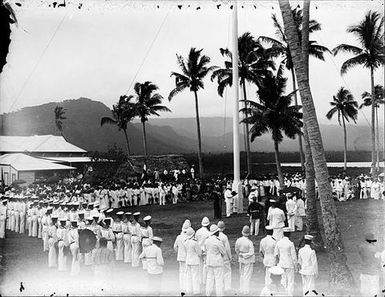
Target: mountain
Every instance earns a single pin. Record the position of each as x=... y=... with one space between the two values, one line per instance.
x=165 y=135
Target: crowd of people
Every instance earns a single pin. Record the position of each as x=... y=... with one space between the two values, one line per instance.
x=59 y=213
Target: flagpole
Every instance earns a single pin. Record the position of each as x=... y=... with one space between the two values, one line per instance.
x=236 y=150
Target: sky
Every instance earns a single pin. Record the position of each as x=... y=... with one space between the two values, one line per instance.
x=102 y=49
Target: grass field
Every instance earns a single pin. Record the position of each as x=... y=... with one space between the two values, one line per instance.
x=24 y=261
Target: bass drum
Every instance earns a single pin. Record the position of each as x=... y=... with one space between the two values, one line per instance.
x=87 y=241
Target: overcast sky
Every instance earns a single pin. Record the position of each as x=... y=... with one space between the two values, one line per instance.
x=97 y=51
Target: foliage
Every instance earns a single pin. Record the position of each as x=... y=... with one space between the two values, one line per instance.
x=59 y=112
x=379 y=94
x=344 y=105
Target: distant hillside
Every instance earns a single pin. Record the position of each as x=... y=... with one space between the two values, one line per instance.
x=165 y=135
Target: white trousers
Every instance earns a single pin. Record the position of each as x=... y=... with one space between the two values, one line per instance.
x=127 y=252
x=254 y=226
x=119 y=252
x=298 y=223
x=34 y=227
x=370 y=284
x=192 y=280
x=291 y=222
x=214 y=280
x=162 y=199
x=227 y=275
x=22 y=223
x=307 y=284
x=229 y=208
x=135 y=243
x=17 y=222
x=75 y=267
x=267 y=276
x=61 y=259
x=245 y=273
x=182 y=276
x=202 y=271
x=2 y=228
x=45 y=238
x=52 y=257
x=288 y=280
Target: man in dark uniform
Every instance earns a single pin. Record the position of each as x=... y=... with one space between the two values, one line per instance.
x=216 y=197
x=256 y=213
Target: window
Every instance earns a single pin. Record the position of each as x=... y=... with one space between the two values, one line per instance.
x=6 y=181
x=13 y=177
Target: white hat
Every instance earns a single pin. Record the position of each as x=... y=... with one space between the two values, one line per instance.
x=276 y=270
x=287 y=229
x=309 y=237
x=269 y=227
x=221 y=225
x=128 y=213
x=156 y=238
x=205 y=222
x=119 y=213
x=109 y=210
x=146 y=218
x=137 y=213
x=186 y=225
x=190 y=232
x=246 y=230
x=214 y=228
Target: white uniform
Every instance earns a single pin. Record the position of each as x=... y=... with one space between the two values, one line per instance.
x=193 y=255
x=276 y=218
x=285 y=250
x=119 y=241
x=244 y=248
x=73 y=238
x=307 y=259
x=215 y=251
x=155 y=263
x=52 y=256
x=226 y=261
x=229 y=202
x=61 y=235
x=181 y=258
x=135 y=243
x=267 y=248
x=291 y=208
x=3 y=217
x=300 y=213
x=201 y=235
x=127 y=252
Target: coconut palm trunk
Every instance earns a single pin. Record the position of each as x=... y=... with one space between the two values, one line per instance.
x=144 y=141
x=345 y=142
x=127 y=142
x=373 y=128
x=312 y=224
x=378 y=139
x=199 y=136
x=340 y=276
x=301 y=155
x=247 y=137
x=278 y=164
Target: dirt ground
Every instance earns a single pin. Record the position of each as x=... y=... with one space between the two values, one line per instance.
x=23 y=261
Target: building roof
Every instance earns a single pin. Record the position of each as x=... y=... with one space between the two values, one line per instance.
x=37 y=143
x=22 y=162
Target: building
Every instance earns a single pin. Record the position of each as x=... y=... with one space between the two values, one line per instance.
x=33 y=157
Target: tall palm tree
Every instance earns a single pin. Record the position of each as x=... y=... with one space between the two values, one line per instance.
x=369 y=54
x=59 y=112
x=147 y=104
x=280 y=45
x=340 y=275
x=345 y=107
x=194 y=70
x=254 y=63
x=379 y=99
x=274 y=114
x=122 y=113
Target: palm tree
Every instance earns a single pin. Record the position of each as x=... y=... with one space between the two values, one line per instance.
x=281 y=46
x=340 y=275
x=274 y=114
x=122 y=113
x=379 y=99
x=194 y=70
x=59 y=112
x=254 y=62
x=147 y=104
x=345 y=107
x=369 y=54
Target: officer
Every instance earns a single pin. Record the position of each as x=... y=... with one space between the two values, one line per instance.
x=215 y=252
x=201 y=235
x=227 y=258
x=244 y=248
x=134 y=228
x=266 y=248
x=180 y=249
x=285 y=251
x=127 y=253
x=193 y=254
x=308 y=266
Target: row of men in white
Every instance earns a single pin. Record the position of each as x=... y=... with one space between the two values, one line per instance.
x=205 y=260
